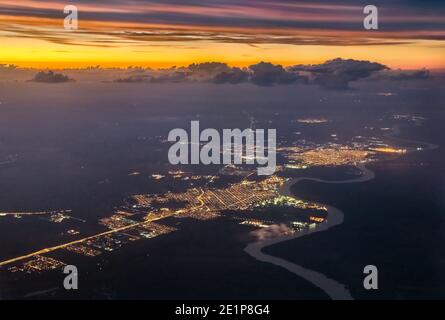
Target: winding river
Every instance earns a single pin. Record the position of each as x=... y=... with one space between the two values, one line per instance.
x=334 y=289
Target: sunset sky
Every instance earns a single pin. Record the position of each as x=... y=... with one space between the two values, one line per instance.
x=178 y=32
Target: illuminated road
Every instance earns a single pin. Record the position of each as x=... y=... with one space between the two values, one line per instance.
x=41 y=213
x=62 y=246
x=3 y=214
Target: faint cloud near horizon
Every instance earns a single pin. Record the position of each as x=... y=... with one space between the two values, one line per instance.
x=336 y=74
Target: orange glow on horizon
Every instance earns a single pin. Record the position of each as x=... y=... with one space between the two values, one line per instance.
x=41 y=42
x=163 y=55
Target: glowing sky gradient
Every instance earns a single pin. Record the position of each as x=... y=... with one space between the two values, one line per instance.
x=172 y=32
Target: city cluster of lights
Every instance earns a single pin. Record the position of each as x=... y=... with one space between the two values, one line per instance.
x=290 y=202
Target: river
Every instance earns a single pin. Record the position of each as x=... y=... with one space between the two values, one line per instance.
x=334 y=289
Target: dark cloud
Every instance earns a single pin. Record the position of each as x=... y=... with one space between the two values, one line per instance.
x=209 y=67
x=399 y=75
x=262 y=74
x=8 y=66
x=266 y=74
x=332 y=74
x=133 y=79
x=234 y=76
x=201 y=72
x=51 y=77
x=206 y=71
x=171 y=75
x=338 y=73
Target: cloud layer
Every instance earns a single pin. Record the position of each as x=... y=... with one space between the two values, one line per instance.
x=338 y=73
x=50 y=77
x=333 y=74
x=257 y=21
x=401 y=75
